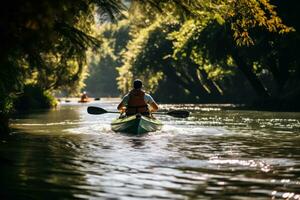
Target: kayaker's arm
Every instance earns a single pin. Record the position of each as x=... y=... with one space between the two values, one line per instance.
x=121 y=107
x=154 y=107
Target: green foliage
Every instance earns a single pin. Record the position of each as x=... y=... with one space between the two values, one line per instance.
x=102 y=67
x=243 y=15
x=211 y=49
x=102 y=78
x=34 y=97
x=130 y=69
x=45 y=43
x=207 y=49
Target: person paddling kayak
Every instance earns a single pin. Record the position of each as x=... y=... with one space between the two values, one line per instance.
x=84 y=98
x=137 y=101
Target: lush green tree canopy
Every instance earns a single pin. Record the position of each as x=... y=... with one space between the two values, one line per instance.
x=45 y=43
x=209 y=47
x=101 y=81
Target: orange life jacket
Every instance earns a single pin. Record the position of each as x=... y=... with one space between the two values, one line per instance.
x=84 y=97
x=136 y=103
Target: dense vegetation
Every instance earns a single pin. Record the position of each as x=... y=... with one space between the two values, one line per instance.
x=44 y=45
x=210 y=51
x=185 y=51
x=227 y=51
x=103 y=66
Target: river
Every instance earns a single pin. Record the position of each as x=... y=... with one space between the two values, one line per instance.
x=66 y=153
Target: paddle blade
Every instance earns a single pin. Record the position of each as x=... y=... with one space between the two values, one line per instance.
x=179 y=113
x=95 y=110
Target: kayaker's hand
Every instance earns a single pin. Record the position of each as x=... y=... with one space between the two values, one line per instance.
x=123 y=110
x=153 y=107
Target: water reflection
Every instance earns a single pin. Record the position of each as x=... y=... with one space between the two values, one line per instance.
x=137 y=142
x=214 y=154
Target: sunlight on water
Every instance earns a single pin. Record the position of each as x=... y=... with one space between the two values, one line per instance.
x=213 y=154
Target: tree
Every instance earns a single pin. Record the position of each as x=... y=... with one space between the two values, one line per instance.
x=45 y=43
x=213 y=41
x=102 y=69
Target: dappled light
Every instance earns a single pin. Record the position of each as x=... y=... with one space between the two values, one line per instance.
x=68 y=153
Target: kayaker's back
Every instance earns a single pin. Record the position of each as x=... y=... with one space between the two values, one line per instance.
x=137 y=101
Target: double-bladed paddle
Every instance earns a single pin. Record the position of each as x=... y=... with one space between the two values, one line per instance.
x=174 y=113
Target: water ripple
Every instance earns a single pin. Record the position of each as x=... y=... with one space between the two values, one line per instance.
x=213 y=154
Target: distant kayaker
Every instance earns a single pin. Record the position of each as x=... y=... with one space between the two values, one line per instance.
x=137 y=101
x=84 y=97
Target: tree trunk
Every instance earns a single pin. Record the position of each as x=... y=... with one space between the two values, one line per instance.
x=252 y=78
x=195 y=89
x=214 y=90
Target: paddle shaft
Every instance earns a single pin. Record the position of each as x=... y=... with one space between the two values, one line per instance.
x=174 y=113
x=113 y=112
x=157 y=113
x=116 y=112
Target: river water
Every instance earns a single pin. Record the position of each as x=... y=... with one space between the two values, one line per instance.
x=214 y=154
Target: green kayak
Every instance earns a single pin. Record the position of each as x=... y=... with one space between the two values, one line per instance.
x=136 y=124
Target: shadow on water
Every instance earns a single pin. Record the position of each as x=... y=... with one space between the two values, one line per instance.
x=38 y=162
x=137 y=142
x=68 y=154
x=39 y=167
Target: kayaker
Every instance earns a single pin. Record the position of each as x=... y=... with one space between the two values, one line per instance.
x=137 y=101
x=84 y=97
